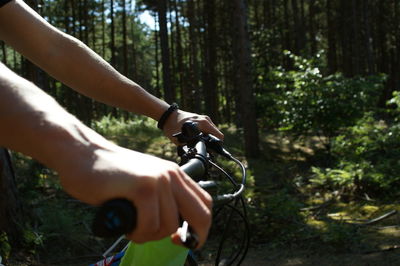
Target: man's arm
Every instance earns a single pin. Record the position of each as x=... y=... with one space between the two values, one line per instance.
x=72 y=62
x=93 y=169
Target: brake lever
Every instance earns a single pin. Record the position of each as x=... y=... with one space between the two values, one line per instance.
x=188 y=238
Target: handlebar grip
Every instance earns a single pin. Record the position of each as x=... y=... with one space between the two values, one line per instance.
x=115 y=218
x=118 y=217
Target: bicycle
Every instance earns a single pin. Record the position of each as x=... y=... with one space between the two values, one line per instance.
x=117 y=217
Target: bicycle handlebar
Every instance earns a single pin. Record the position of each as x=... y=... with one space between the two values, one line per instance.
x=119 y=216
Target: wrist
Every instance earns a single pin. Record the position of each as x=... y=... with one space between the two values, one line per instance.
x=166 y=115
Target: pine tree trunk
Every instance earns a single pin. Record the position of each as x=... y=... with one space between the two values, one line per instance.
x=112 y=44
x=10 y=206
x=157 y=60
x=169 y=94
x=4 y=50
x=332 y=46
x=211 y=62
x=124 y=39
x=179 y=60
x=194 y=78
x=244 y=82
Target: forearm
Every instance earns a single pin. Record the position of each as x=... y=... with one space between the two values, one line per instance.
x=72 y=62
x=97 y=79
x=33 y=123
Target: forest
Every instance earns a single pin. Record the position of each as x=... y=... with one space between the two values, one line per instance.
x=305 y=91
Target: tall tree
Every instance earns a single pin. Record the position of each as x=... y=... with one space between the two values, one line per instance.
x=10 y=205
x=124 y=39
x=332 y=32
x=112 y=25
x=194 y=71
x=243 y=78
x=169 y=93
x=210 y=84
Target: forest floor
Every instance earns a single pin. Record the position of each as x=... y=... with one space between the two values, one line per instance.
x=290 y=223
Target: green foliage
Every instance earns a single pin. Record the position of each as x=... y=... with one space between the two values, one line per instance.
x=5 y=247
x=334 y=178
x=367 y=156
x=342 y=236
x=307 y=102
x=135 y=133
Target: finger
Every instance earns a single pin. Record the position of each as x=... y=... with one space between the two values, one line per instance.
x=201 y=193
x=176 y=239
x=169 y=216
x=193 y=209
x=209 y=120
x=207 y=126
x=148 y=216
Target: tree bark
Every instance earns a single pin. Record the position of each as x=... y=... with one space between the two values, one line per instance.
x=179 y=59
x=210 y=87
x=244 y=81
x=10 y=205
x=112 y=24
x=332 y=46
x=4 y=50
x=169 y=93
x=124 y=39
x=194 y=77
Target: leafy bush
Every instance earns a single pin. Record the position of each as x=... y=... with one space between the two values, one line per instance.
x=304 y=101
x=367 y=155
x=5 y=247
x=133 y=133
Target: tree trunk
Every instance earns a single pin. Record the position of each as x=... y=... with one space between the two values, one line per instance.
x=157 y=61
x=4 y=50
x=103 y=29
x=124 y=39
x=332 y=46
x=244 y=81
x=169 y=94
x=112 y=44
x=194 y=77
x=312 y=27
x=10 y=206
x=210 y=88
x=297 y=30
x=179 y=58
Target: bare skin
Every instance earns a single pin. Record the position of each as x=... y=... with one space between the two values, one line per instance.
x=91 y=168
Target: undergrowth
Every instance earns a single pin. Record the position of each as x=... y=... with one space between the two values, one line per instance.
x=291 y=201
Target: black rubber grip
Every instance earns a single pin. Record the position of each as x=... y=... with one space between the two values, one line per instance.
x=118 y=217
x=115 y=218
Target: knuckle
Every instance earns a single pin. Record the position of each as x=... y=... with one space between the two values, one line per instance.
x=208 y=200
x=152 y=228
x=205 y=219
x=164 y=179
x=146 y=190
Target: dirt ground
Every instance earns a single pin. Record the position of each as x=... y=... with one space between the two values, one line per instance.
x=262 y=256
x=291 y=258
